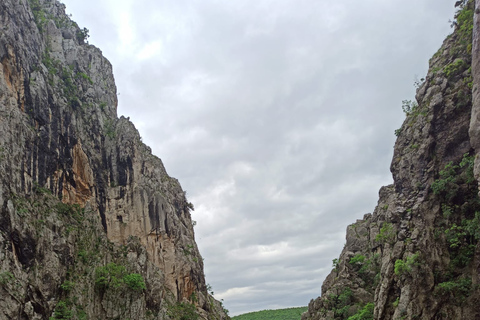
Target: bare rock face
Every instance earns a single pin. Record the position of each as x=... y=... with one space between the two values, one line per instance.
x=92 y=226
x=417 y=256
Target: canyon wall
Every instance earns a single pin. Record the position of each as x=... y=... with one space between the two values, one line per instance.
x=417 y=256
x=91 y=224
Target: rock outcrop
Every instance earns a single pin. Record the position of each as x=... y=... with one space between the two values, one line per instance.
x=417 y=256
x=91 y=224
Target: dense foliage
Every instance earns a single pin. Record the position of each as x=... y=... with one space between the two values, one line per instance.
x=460 y=226
x=366 y=313
x=280 y=314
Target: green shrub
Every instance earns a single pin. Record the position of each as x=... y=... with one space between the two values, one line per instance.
x=335 y=263
x=109 y=276
x=67 y=286
x=83 y=255
x=452 y=176
x=39 y=14
x=454 y=68
x=387 y=234
x=40 y=190
x=462 y=240
x=110 y=129
x=405 y=266
x=358 y=259
x=366 y=313
x=395 y=303
x=134 y=281
x=409 y=107
x=102 y=105
x=472 y=228
x=67 y=209
x=182 y=311
x=464 y=19
x=458 y=289
x=62 y=311
x=116 y=276
x=82 y=35
x=363 y=265
x=340 y=303
x=84 y=76
x=401 y=267
x=6 y=277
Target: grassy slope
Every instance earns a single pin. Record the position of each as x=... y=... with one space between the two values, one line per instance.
x=279 y=314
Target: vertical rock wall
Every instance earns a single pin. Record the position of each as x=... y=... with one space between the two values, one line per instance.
x=417 y=255
x=61 y=140
x=475 y=120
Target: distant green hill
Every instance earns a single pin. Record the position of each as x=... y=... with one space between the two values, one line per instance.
x=279 y=314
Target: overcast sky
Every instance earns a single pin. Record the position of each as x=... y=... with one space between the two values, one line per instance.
x=277 y=117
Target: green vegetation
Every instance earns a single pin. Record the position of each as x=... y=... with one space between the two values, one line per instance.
x=409 y=107
x=458 y=289
x=69 y=209
x=41 y=17
x=454 y=68
x=335 y=263
x=50 y=63
x=110 y=129
x=102 y=105
x=469 y=231
x=84 y=76
x=40 y=190
x=66 y=76
x=115 y=276
x=464 y=22
x=460 y=226
x=109 y=276
x=366 y=313
x=67 y=286
x=368 y=269
x=412 y=110
x=69 y=87
x=452 y=176
x=387 y=234
x=358 y=260
x=66 y=309
x=182 y=311
x=87 y=250
x=405 y=266
x=62 y=311
x=225 y=310
x=82 y=35
x=134 y=281
x=396 y=302
x=462 y=240
x=6 y=277
x=39 y=14
x=338 y=303
x=279 y=314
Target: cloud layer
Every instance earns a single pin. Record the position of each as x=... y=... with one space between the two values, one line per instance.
x=276 y=116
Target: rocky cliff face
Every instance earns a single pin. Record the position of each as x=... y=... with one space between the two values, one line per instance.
x=417 y=256
x=92 y=226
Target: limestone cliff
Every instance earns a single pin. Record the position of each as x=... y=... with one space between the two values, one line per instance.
x=91 y=224
x=417 y=256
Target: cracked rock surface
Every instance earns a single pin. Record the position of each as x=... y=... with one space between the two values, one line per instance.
x=79 y=191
